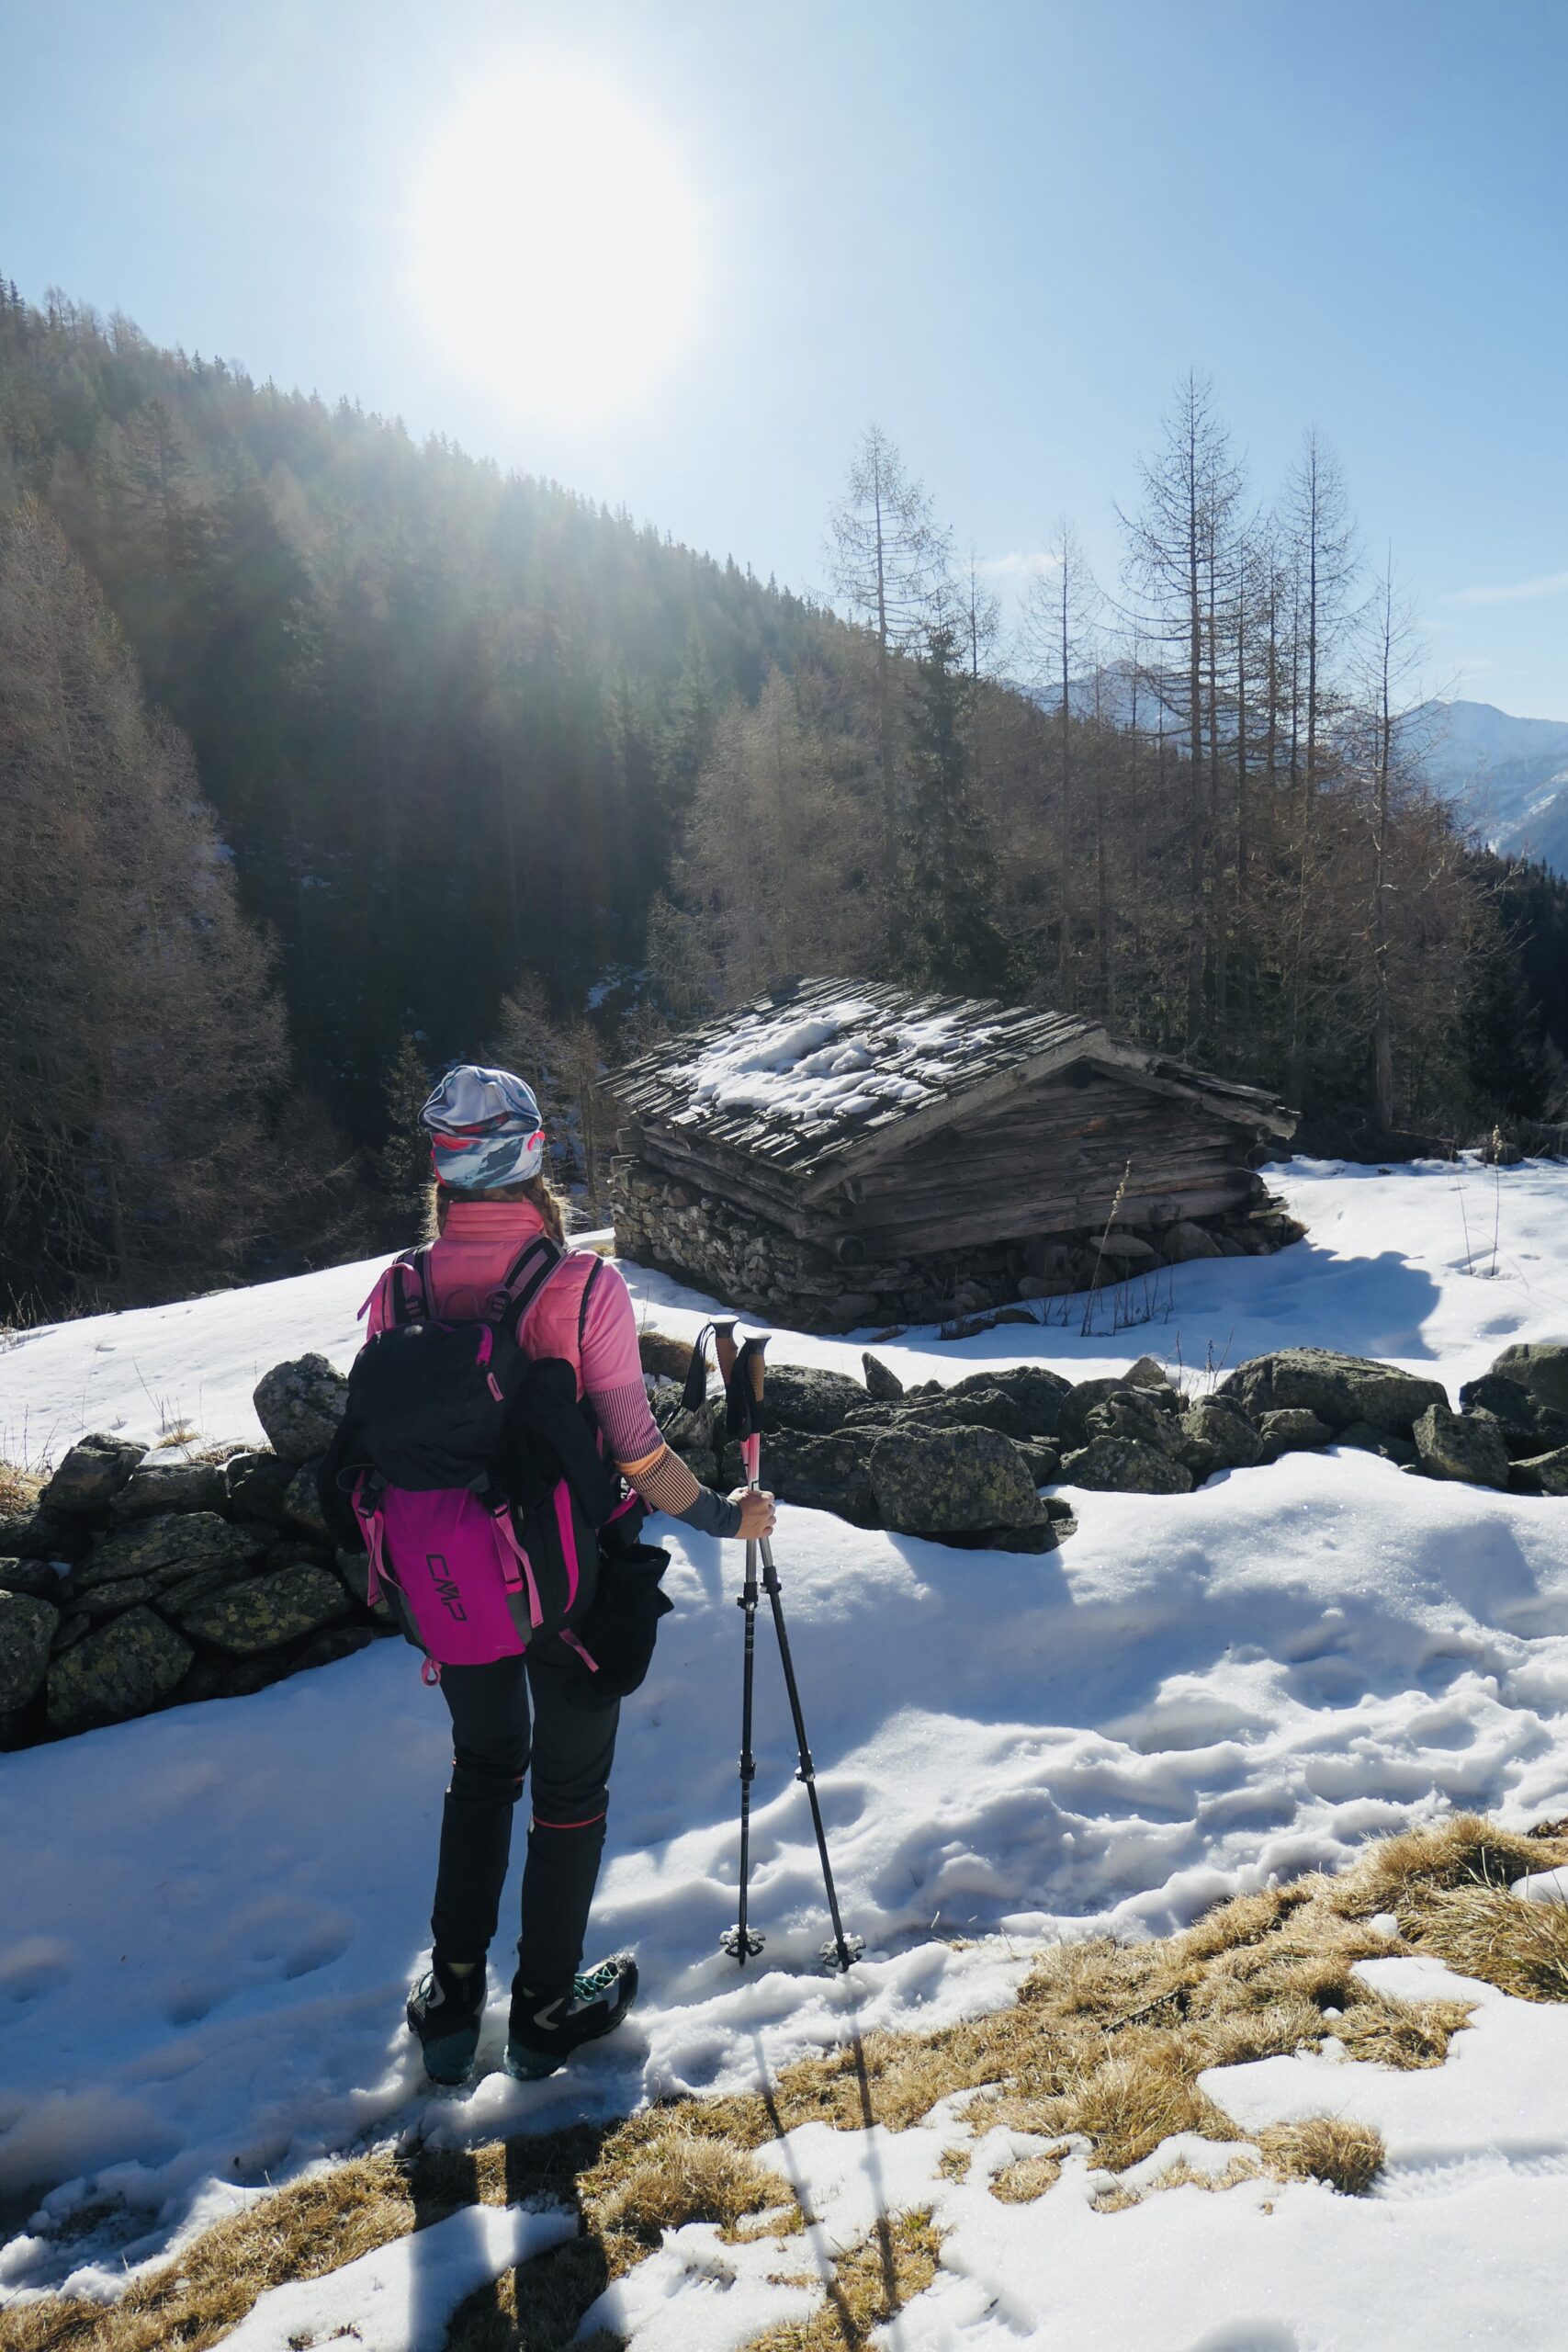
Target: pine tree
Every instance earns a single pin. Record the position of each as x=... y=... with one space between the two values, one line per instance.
x=950 y=936
x=404 y=1166
x=140 y=1043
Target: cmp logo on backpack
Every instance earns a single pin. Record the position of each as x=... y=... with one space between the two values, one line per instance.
x=446 y=1590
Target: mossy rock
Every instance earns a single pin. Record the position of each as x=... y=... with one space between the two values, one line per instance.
x=262 y=1612
x=937 y=1481
x=26 y=1630
x=1339 y=1389
x=125 y=1668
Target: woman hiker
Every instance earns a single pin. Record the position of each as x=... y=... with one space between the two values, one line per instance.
x=515 y=1713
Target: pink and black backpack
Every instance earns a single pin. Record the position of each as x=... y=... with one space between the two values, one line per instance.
x=474 y=1471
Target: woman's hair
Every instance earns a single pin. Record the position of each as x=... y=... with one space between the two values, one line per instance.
x=537 y=1190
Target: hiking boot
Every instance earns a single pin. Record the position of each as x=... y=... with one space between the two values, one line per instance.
x=444 y=2013
x=545 y=2033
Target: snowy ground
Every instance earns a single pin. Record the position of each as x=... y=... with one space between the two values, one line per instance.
x=211 y=1916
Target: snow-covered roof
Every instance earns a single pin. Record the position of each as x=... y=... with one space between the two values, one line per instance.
x=812 y=1072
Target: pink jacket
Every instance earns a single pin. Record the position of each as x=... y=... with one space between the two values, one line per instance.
x=478 y=1248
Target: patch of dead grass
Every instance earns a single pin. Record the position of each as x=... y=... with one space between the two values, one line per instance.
x=19 y=1488
x=1348 y=2155
x=1105 y=2040
x=685 y=2177
x=663 y=1355
x=1027 y=2177
x=872 y=2282
x=1490 y=1932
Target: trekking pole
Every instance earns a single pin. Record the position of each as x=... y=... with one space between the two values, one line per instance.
x=841 y=1950
x=741 y=1941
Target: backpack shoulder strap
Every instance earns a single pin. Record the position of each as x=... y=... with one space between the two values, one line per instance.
x=417 y=1309
x=594 y=1271
x=525 y=1279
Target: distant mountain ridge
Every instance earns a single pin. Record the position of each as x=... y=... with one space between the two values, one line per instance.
x=1508 y=775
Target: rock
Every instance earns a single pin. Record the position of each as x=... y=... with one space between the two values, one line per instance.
x=170 y=1485
x=1468 y=1446
x=1048 y=1536
x=1339 y=1389
x=883 y=1385
x=1146 y=1372
x=1072 y=1425
x=300 y=1406
x=1292 y=1429
x=27 y=1626
x=37 y=1578
x=1527 y=1425
x=1184 y=1240
x=124 y=1669
x=1034 y=1286
x=173 y=1546
x=1128 y=1248
x=978 y=1409
x=1125 y=1465
x=944 y=1481
x=800 y=1398
x=1541 y=1473
x=300 y=1506
x=111 y=1600
x=1037 y=1393
x=820 y=1473
x=694 y=1432
x=1213 y=1435
x=258 y=1486
x=262 y=1613
x=1541 y=1366
x=1134 y=1413
x=91 y=1475
x=338 y=1641
x=1044 y=1462
x=1367 y=1439
x=44 y=1535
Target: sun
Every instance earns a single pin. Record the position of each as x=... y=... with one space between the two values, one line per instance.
x=556 y=246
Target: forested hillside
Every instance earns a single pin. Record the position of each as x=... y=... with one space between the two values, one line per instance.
x=381 y=757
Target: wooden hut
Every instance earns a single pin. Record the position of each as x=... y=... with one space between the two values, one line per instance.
x=845 y=1152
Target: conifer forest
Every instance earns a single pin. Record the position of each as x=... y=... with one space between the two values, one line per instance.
x=327 y=756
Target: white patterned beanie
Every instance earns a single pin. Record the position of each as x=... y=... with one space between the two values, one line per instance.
x=485 y=1130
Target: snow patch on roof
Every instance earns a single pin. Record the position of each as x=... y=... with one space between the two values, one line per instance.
x=841 y=1061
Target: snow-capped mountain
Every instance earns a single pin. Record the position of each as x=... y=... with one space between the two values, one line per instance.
x=1510 y=776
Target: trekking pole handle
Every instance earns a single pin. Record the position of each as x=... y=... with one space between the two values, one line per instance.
x=751 y=1447
x=724 y=1347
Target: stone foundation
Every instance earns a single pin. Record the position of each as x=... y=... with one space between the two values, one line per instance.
x=661 y=1221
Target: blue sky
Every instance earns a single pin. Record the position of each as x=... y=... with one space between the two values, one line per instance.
x=1002 y=231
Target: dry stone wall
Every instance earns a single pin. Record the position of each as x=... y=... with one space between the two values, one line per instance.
x=133 y=1583
x=136 y=1581
x=666 y=1222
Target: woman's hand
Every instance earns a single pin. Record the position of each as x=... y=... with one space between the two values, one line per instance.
x=757 y=1513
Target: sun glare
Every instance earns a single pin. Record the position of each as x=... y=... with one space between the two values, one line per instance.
x=556 y=246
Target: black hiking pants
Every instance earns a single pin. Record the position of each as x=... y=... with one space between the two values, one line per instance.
x=571 y=1751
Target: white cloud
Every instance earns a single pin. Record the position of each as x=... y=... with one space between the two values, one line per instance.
x=1518 y=591
x=1019 y=565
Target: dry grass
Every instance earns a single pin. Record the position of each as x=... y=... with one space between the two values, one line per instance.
x=663 y=1355
x=19 y=1488
x=1026 y=2177
x=1348 y=2156
x=686 y=2178
x=871 y=2283
x=1106 y=2040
